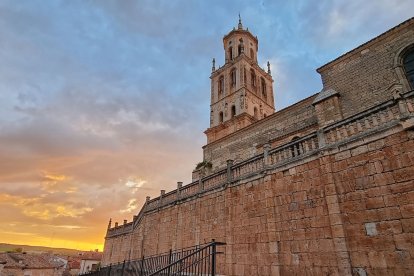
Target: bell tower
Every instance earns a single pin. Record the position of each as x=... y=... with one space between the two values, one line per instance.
x=241 y=91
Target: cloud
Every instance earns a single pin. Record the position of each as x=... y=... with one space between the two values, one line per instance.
x=339 y=26
x=37 y=207
x=131 y=206
x=135 y=182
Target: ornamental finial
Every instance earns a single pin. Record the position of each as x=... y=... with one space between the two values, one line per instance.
x=240 y=26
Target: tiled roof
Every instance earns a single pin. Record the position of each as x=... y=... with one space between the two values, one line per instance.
x=74 y=264
x=91 y=256
x=23 y=260
x=324 y=94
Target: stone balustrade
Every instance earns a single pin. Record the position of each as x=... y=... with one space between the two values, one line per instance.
x=361 y=123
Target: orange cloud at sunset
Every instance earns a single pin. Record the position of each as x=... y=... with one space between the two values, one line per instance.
x=72 y=208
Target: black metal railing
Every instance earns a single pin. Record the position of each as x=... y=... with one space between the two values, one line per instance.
x=196 y=260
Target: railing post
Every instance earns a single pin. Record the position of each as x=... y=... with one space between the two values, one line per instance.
x=200 y=185
x=213 y=258
x=161 y=196
x=141 y=272
x=169 y=262
x=321 y=138
x=147 y=199
x=396 y=90
x=179 y=186
x=266 y=149
x=123 y=267
x=109 y=270
x=229 y=172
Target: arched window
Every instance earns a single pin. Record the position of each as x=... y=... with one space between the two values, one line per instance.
x=233 y=77
x=253 y=78
x=221 y=86
x=255 y=113
x=230 y=53
x=244 y=75
x=221 y=117
x=233 y=111
x=251 y=53
x=263 y=86
x=408 y=62
x=240 y=47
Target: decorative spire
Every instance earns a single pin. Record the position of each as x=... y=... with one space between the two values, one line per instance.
x=110 y=223
x=213 y=68
x=268 y=68
x=240 y=26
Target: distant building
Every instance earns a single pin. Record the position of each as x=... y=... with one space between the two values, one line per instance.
x=57 y=261
x=22 y=264
x=73 y=267
x=2 y=263
x=90 y=261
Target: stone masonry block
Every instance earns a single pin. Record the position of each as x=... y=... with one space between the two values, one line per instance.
x=371 y=229
x=408 y=225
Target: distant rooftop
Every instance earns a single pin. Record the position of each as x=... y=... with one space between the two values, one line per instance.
x=24 y=260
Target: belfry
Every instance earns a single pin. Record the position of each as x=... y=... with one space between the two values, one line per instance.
x=241 y=91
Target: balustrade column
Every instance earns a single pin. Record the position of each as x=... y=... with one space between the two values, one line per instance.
x=382 y=116
x=375 y=120
x=351 y=128
x=390 y=113
x=367 y=123
x=359 y=126
x=338 y=133
x=306 y=146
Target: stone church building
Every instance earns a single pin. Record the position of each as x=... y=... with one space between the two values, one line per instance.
x=322 y=187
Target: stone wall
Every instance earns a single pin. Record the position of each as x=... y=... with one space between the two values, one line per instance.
x=117 y=248
x=348 y=210
x=374 y=189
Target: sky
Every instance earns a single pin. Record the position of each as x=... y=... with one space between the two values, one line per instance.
x=105 y=102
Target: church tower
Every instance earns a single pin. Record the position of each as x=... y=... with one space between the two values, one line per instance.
x=241 y=91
